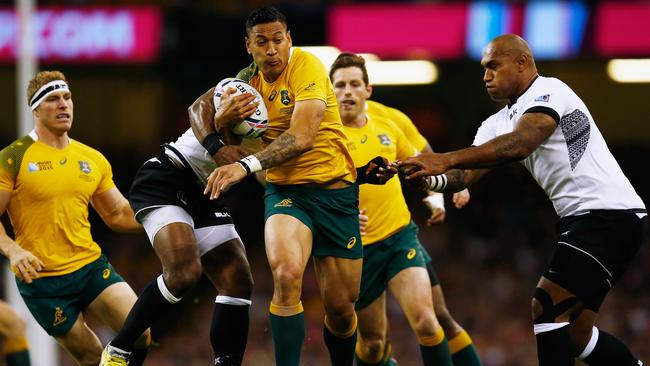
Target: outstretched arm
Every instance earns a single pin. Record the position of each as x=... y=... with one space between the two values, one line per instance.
x=531 y=131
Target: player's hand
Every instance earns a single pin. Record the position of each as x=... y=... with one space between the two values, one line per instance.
x=223 y=178
x=437 y=216
x=363 y=221
x=425 y=164
x=461 y=198
x=377 y=171
x=234 y=108
x=229 y=154
x=418 y=184
x=25 y=265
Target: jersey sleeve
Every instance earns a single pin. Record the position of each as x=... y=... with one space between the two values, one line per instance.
x=9 y=165
x=551 y=98
x=309 y=78
x=106 y=181
x=486 y=132
x=408 y=128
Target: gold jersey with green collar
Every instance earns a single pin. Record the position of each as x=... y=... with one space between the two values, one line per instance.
x=305 y=78
x=400 y=119
x=50 y=192
x=386 y=207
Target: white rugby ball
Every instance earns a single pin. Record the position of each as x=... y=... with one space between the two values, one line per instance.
x=252 y=126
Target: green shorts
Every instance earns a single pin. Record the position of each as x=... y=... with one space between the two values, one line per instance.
x=55 y=302
x=332 y=215
x=386 y=258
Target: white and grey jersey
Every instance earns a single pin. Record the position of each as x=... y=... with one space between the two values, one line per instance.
x=574 y=165
x=195 y=154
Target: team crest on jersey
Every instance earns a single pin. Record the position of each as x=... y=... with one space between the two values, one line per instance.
x=273 y=95
x=311 y=86
x=284 y=203
x=284 y=97
x=384 y=139
x=59 y=317
x=543 y=98
x=84 y=166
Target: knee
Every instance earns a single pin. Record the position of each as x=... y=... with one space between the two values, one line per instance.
x=372 y=348
x=241 y=283
x=425 y=324
x=287 y=277
x=183 y=275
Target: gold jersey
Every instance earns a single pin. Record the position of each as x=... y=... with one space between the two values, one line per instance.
x=305 y=78
x=50 y=192
x=400 y=119
x=385 y=205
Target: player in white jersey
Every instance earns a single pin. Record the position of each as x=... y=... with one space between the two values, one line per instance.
x=548 y=128
x=191 y=235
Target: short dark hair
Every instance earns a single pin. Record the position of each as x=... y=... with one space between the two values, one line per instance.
x=267 y=14
x=347 y=59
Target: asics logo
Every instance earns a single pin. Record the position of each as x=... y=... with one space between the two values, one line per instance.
x=411 y=254
x=351 y=242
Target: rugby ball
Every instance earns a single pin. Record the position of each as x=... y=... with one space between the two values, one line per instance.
x=252 y=126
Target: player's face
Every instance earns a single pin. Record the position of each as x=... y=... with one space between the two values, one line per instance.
x=351 y=92
x=269 y=44
x=501 y=74
x=55 y=112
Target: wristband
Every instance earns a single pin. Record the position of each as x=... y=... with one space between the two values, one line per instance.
x=437 y=183
x=435 y=201
x=212 y=143
x=251 y=164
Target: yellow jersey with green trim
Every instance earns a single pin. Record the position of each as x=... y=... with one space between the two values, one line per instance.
x=50 y=192
x=400 y=119
x=305 y=78
x=385 y=205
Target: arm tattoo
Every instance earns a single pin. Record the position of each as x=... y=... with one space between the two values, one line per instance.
x=285 y=147
x=508 y=147
x=455 y=180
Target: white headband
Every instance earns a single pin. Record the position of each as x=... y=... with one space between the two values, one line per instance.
x=45 y=90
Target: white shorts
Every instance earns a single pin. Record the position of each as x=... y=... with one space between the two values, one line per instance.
x=207 y=238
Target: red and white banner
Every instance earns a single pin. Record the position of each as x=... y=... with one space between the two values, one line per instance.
x=87 y=35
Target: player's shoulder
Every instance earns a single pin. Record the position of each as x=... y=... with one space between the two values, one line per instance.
x=13 y=153
x=86 y=150
x=305 y=59
x=548 y=84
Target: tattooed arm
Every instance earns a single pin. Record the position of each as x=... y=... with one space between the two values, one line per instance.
x=531 y=131
x=300 y=137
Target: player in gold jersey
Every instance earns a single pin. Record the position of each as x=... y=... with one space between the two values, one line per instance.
x=47 y=181
x=393 y=257
x=311 y=191
x=14 y=339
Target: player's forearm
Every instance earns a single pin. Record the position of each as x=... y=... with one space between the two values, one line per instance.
x=459 y=179
x=287 y=146
x=502 y=149
x=201 y=114
x=123 y=219
x=7 y=245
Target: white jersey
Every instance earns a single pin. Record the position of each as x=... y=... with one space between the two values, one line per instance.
x=574 y=165
x=195 y=154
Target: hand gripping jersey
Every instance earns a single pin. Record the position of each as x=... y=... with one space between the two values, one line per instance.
x=48 y=208
x=574 y=166
x=386 y=207
x=305 y=78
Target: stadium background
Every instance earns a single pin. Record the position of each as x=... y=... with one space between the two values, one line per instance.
x=488 y=255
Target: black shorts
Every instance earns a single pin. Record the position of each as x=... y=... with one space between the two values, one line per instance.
x=160 y=182
x=593 y=251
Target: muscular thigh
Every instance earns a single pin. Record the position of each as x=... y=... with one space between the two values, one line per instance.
x=288 y=242
x=339 y=280
x=10 y=323
x=112 y=306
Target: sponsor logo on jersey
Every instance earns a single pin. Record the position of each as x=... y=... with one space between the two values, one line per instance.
x=384 y=139
x=311 y=86
x=41 y=165
x=63 y=161
x=351 y=242
x=284 y=203
x=364 y=139
x=411 y=254
x=84 y=166
x=221 y=214
x=284 y=97
x=273 y=95
x=59 y=317
x=512 y=113
x=106 y=273
x=543 y=98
